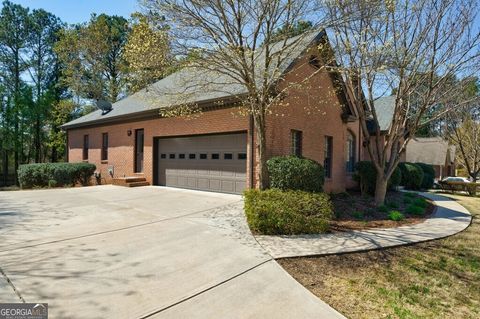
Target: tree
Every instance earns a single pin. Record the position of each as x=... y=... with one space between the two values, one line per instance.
x=92 y=57
x=462 y=128
x=14 y=31
x=62 y=112
x=43 y=70
x=413 y=48
x=289 y=30
x=147 y=53
x=233 y=44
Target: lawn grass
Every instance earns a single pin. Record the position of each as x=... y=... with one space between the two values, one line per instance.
x=438 y=279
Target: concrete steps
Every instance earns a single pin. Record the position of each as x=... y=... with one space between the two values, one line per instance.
x=130 y=181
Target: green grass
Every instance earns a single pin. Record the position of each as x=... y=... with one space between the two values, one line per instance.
x=437 y=279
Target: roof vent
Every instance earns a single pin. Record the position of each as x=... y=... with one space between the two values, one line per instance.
x=105 y=106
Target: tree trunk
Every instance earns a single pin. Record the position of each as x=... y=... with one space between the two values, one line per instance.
x=37 y=143
x=380 y=189
x=262 y=172
x=5 y=167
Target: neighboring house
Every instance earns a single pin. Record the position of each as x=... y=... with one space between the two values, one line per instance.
x=434 y=151
x=431 y=150
x=216 y=150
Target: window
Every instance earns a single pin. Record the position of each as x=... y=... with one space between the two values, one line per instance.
x=215 y=156
x=203 y=156
x=242 y=156
x=85 y=147
x=191 y=156
x=350 y=152
x=327 y=162
x=172 y=156
x=163 y=155
x=104 y=146
x=228 y=156
x=181 y=156
x=139 y=150
x=296 y=143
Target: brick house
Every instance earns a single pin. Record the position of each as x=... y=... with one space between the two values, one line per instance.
x=434 y=151
x=215 y=150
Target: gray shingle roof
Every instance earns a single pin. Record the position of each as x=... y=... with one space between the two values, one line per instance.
x=385 y=107
x=430 y=150
x=191 y=85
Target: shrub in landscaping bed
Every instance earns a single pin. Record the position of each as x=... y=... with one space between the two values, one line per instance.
x=55 y=174
x=415 y=210
x=366 y=176
x=412 y=175
x=428 y=175
x=395 y=215
x=275 y=211
x=295 y=173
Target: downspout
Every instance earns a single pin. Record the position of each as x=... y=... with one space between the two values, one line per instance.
x=252 y=149
x=67 y=148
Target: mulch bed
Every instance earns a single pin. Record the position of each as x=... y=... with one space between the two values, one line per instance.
x=356 y=212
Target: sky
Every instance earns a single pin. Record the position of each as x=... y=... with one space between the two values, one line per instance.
x=75 y=11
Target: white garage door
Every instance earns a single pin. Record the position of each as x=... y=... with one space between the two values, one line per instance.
x=211 y=162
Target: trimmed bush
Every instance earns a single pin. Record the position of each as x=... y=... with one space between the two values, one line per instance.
x=395 y=215
x=275 y=211
x=366 y=176
x=412 y=175
x=428 y=175
x=420 y=202
x=295 y=173
x=415 y=210
x=55 y=174
x=383 y=208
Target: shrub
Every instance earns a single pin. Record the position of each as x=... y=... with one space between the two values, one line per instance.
x=295 y=173
x=415 y=210
x=275 y=211
x=409 y=195
x=428 y=175
x=366 y=176
x=54 y=174
x=412 y=175
x=395 y=215
x=420 y=202
x=383 y=208
x=358 y=215
x=392 y=205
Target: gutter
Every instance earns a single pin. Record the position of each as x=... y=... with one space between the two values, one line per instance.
x=152 y=113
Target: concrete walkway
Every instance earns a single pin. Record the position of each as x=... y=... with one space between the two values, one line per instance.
x=149 y=252
x=448 y=219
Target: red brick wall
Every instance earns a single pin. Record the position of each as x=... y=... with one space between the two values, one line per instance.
x=121 y=146
x=315 y=110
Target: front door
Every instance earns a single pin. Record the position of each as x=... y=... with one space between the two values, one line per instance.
x=139 y=151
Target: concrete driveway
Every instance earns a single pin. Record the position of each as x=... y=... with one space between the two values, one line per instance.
x=150 y=252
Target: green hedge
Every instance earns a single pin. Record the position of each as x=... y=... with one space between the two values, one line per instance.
x=295 y=173
x=428 y=175
x=274 y=211
x=412 y=175
x=55 y=174
x=366 y=176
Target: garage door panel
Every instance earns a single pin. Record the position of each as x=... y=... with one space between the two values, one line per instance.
x=215 y=163
x=228 y=186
